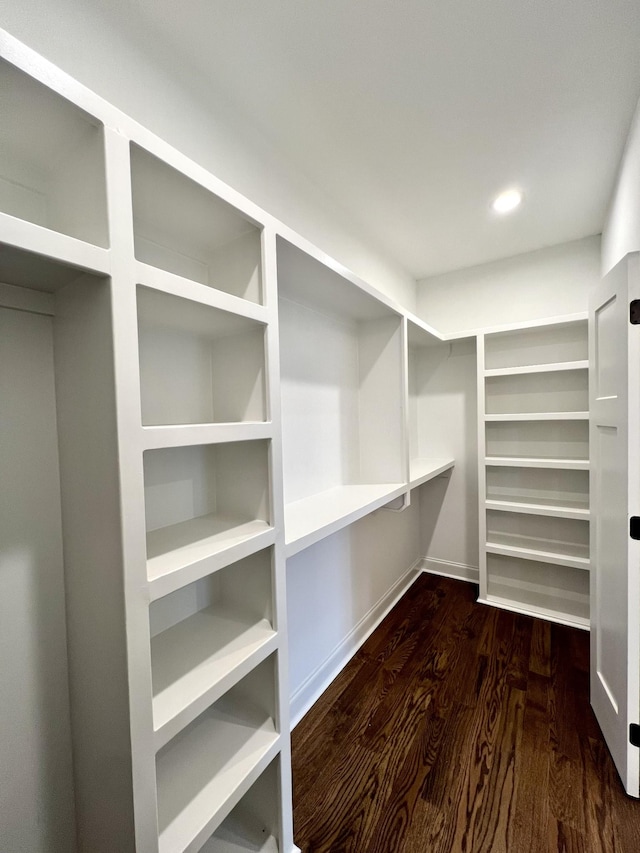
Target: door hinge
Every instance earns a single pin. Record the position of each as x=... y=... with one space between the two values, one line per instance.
x=634 y=734
x=634 y=527
x=634 y=312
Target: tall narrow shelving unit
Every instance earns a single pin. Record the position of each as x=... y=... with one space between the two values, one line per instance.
x=534 y=472
x=341 y=355
x=161 y=284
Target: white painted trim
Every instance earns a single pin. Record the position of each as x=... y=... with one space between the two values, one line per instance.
x=448 y=569
x=315 y=684
x=537 y=612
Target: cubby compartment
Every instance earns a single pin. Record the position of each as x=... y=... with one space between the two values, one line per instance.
x=424 y=354
x=207 y=635
x=342 y=406
x=561 y=391
x=253 y=825
x=561 y=541
x=183 y=228
x=198 y=364
x=538 y=345
x=203 y=500
x=544 y=440
x=539 y=487
x=558 y=593
x=52 y=169
x=203 y=772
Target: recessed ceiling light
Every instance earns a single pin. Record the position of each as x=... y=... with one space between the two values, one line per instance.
x=507 y=201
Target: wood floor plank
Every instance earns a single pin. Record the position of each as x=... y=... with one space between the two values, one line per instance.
x=459 y=728
x=540 y=659
x=530 y=824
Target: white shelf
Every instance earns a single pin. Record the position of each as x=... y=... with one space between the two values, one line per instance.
x=185 y=288
x=204 y=505
x=195 y=661
x=205 y=767
x=556 y=510
x=539 y=416
x=529 y=552
x=194 y=543
x=529 y=462
x=311 y=519
x=423 y=470
x=550 y=615
x=187 y=435
x=554 y=367
x=35 y=240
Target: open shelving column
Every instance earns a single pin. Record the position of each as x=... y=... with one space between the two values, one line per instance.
x=534 y=469
x=161 y=285
x=421 y=341
x=342 y=406
x=209 y=436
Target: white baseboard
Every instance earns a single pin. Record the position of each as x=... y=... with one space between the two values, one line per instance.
x=315 y=684
x=458 y=571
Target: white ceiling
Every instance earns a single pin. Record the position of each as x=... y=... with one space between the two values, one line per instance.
x=413 y=114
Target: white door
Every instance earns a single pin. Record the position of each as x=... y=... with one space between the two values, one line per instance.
x=614 y=436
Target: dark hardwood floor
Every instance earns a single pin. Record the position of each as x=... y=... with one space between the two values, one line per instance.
x=459 y=728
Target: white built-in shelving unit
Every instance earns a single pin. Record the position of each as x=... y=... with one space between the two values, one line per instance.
x=341 y=358
x=534 y=472
x=159 y=282
x=226 y=396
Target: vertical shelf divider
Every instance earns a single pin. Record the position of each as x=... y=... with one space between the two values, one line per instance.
x=482 y=471
x=274 y=415
x=127 y=380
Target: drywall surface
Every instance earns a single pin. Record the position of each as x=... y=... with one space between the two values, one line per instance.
x=447 y=396
x=119 y=63
x=533 y=286
x=333 y=590
x=621 y=234
x=36 y=794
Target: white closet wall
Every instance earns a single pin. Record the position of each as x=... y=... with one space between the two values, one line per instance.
x=445 y=380
x=338 y=589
